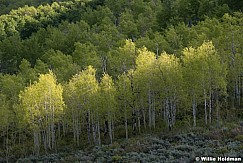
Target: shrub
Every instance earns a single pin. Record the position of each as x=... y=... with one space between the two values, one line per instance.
x=239 y=138
x=116 y=158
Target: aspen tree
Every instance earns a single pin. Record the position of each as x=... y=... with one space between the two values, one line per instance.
x=170 y=83
x=108 y=104
x=144 y=83
x=79 y=95
x=43 y=105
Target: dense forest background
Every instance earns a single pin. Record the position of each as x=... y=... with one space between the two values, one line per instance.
x=83 y=73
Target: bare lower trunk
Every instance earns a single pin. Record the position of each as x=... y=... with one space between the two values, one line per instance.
x=153 y=113
x=149 y=109
x=194 y=107
x=7 y=146
x=217 y=108
x=88 y=127
x=239 y=91
x=53 y=138
x=36 y=143
x=74 y=127
x=44 y=140
x=210 y=107
x=144 y=117
x=139 y=123
x=205 y=107
x=113 y=127
x=78 y=128
x=94 y=126
x=165 y=105
x=235 y=92
x=126 y=125
x=99 y=141
x=110 y=129
x=59 y=130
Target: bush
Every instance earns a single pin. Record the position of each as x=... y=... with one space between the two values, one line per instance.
x=239 y=138
x=116 y=158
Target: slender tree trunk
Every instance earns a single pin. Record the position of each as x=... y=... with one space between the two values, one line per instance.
x=126 y=125
x=49 y=136
x=88 y=127
x=149 y=109
x=59 y=130
x=173 y=109
x=44 y=140
x=77 y=128
x=99 y=141
x=205 y=107
x=236 y=92
x=134 y=119
x=36 y=143
x=217 y=108
x=144 y=114
x=74 y=127
x=239 y=91
x=194 y=107
x=110 y=128
x=210 y=107
x=94 y=126
x=165 y=108
x=7 y=145
x=64 y=127
x=153 y=115
x=113 y=127
x=53 y=144
x=139 y=123
x=241 y=86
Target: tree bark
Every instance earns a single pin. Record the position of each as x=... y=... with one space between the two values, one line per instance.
x=149 y=109
x=194 y=107
x=93 y=129
x=110 y=128
x=210 y=107
x=113 y=127
x=205 y=107
x=53 y=144
x=126 y=125
x=139 y=123
x=88 y=127
x=144 y=115
x=99 y=141
x=36 y=143
x=153 y=112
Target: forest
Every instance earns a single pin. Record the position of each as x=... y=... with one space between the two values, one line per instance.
x=79 y=74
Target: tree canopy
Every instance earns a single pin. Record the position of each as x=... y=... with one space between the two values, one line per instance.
x=88 y=72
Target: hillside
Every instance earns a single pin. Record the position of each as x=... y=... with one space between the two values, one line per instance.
x=90 y=74
x=183 y=147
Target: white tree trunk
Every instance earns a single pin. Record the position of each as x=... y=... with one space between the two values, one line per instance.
x=149 y=109
x=36 y=143
x=110 y=128
x=139 y=123
x=144 y=115
x=88 y=128
x=205 y=107
x=99 y=141
x=153 y=113
x=126 y=125
x=113 y=127
x=194 y=108
x=210 y=107
x=94 y=126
